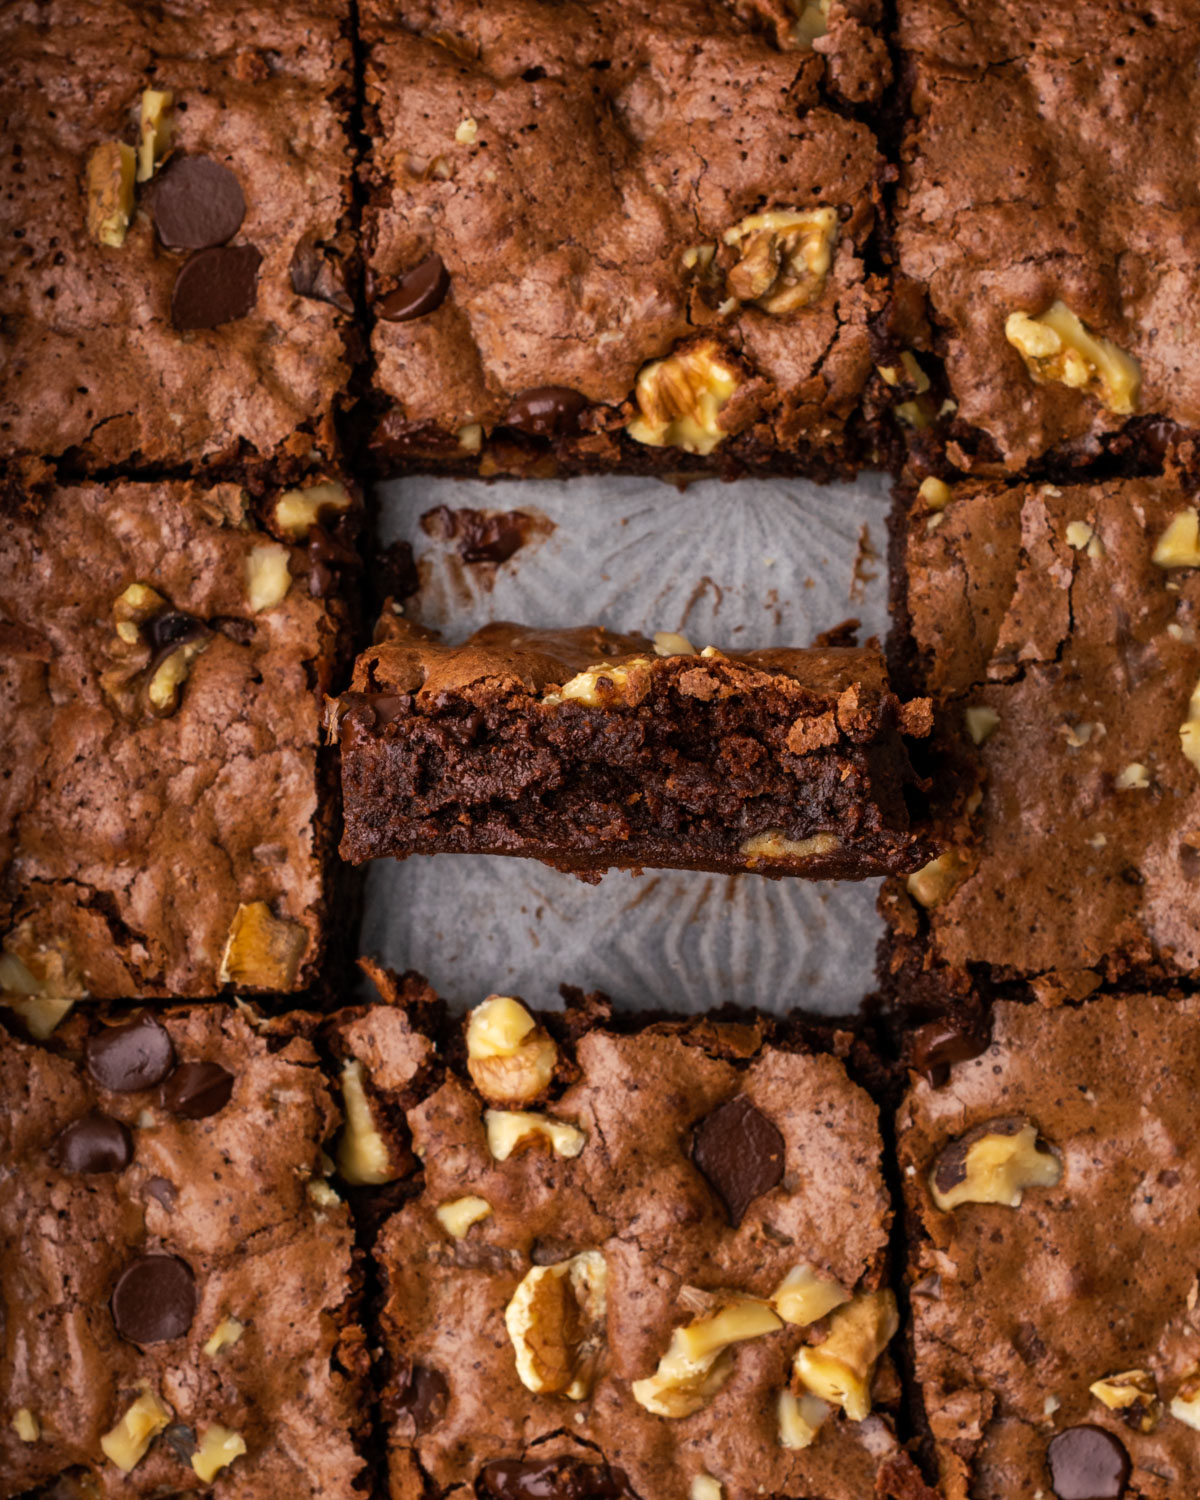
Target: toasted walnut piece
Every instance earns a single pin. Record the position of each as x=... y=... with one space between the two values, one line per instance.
x=1135 y=777
x=671 y=643
x=982 y=721
x=298 y=511
x=111 y=170
x=157 y=129
x=1189 y=730
x=1134 y=1394
x=773 y=843
x=467 y=132
x=127 y=1443
x=799 y=1418
x=41 y=1014
x=1057 y=346
x=507 y=1130
x=263 y=951
x=219 y=1446
x=458 y=1215
x=166 y=682
x=698 y=257
x=321 y=1194
x=698 y=1362
x=362 y=1153
x=935 y=882
x=993 y=1163
x=1179 y=545
x=1185 y=1404
x=268 y=577
x=785 y=257
x=227 y=1332
x=839 y=1369
x=26 y=1425
x=812 y=21
x=803 y=1296
x=135 y=607
x=511 y=1059
x=936 y=493
x=704 y=1487
x=598 y=686
x=680 y=399
x=470 y=437
x=556 y=1323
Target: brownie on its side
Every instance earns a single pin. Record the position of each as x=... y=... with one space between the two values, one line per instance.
x=165 y=822
x=1050 y=211
x=175 y=197
x=604 y=235
x=1054 y=1188
x=587 y=750
x=176 y=1277
x=1057 y=628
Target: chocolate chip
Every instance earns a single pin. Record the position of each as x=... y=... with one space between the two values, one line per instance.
x=1088 y=1463
x=421 y=290
x=196 y=1090
x=154 y=1299
x=94 y=1143
x=938 y=1044
x=181 y=1440
x=740 y=1152
x=134 y=1056
x=546 y=410
x=197 y=202
x=419 y=1396
x=320 y=274
x=172 y=628
x=163 y=1191
x=553 y=1479
x=215 y=287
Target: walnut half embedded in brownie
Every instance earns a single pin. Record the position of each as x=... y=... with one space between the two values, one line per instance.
x=177 y=1282
x=615 y=235
x=166 y=822
x=587 y=750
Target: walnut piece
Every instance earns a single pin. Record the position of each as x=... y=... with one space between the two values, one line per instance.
x=268 y=577
x=1057 y=346
x=26 y=1425
x=166 y=681
x=773 y=843
x=156 y=130
x=799 y=1418
x=1185 y=1404
x=111 y=170
x=935 y=882
x=784 y=258
x=227 y=1332
x=680 y=398
x=671 y=643
x=298 y=511
x=699 y=1361
x=458 y=1215
x=1189 y=730
x=362 y=1153
x=839 y=1369
x=263 y=951
x=218 y=1448
x=1134 y=1394
x=510 y=1130
x=993 y=1163
x=812 y=21
x=127 y=1443
x=982 y=721
x=556 y=1323
x=803 y=1296
x=1179 y=545
x=704 y=1487
x=511 y=1059
x=605 y=684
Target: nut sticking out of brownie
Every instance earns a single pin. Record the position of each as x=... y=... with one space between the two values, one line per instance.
x=588 y=749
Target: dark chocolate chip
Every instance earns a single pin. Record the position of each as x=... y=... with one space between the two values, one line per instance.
x=938 y=1044
x=94 y=1143
x=420 y=1397
x=163 y=1191
x=951 y=1166
x=172 y=628
x=197 y=1090
x=1088 y=1463
x=154 y=1299
x=134 y=1056
x=197 y=202
x=320 y=274
x=181 y=1440
x=553 y=1479
x=740 y=1152
x=421 y=290
x=215 y=287
x=546 y=411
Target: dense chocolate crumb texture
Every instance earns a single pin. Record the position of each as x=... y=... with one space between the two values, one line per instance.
x=175 y=269
x=642 y=1264
x=1051 y=1184
x=1056 y=627
x=588 y=749
x=608 y=235
x=1049 y=215
x=177 y=1278
x=165 y=826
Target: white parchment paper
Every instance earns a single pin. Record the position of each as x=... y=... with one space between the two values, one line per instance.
x=753 y=563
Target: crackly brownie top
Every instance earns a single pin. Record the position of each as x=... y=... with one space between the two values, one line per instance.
x=1049 y=159
x=162 y=665
x=1062 y=625
x=191 y=339
x=590 y=1294
x=160 y=1251
x=1062 y=1253
x=552 y=186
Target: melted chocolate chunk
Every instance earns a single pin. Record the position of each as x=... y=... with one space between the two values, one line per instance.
x=94 y=1143
x=938 y=1044
x=552 y=1479
x=483 y=536
x=134 y=1056
x=181 y=1440
x=163 y=1191
x=197 y=203
x=171 y=628
x=421 y=290
x=740 y=1152
x=215 y=286
x=419 y=1396
x=1087 y=1463
x=546 y=411
x=154 y=1299
x=320 y=274
x=196 y=1090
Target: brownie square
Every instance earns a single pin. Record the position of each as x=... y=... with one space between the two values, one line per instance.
x=1056 y=628
x=1047 y=170
x=177 y=1278
x=166 y=817
x=588 y=750
x=199 y=316
x=1053 y=1243
x=605 y=235
x=635 y=1259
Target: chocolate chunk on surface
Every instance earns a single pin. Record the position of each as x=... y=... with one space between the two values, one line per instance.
x=418 y=292
x=133 y=1056
x=197 y=202
x=95 y=1143
x=319 y=271
x=1087 y=1463
x=216 y=286
x=546 y=410
x=552 y=1479
x=197 y=1089
x=154 y=1299
x=740 y=1153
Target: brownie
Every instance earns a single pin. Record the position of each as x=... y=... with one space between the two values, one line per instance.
x=1049 y=209
x=645 y=1262
x=177 y=1278
x=1056 y=629
x=166 y=816
x=175 y=191
x=1051 y=1186
x=588 y=749
x=610 y=235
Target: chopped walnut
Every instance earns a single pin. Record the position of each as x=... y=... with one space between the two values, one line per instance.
x=556 y=1323
x=993 y=1163
x=1057 y=346
x=840 y=1368
x=698 y=1361
x=785 y=258
x=511 y=1059
x=111 y=170
x=680 y=398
